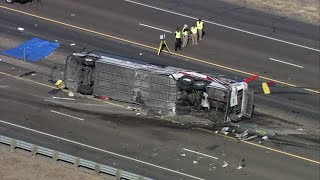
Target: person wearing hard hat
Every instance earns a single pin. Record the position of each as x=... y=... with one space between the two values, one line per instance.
x=194 y=35
x=185 y=35
x=200 y=27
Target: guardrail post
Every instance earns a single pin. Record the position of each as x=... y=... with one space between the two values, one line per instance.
x=55 y=156
x=34 y=151
x=118 y=174
x=97 y=168
x=13 y=145
x=76 y=162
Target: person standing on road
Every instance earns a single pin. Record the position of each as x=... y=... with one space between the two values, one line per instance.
x=200 y=27
x=194 y=35
x=185 y=35
x=177 y=44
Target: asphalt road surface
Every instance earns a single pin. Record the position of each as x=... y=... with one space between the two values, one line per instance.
x=157 y=145
x=291 y=61
x=157 y=149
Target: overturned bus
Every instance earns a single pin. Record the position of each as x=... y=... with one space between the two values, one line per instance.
x=161 y=89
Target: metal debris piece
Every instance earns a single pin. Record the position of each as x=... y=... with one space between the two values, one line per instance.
x=225 y=164
x=249 y=138
x=242 y=135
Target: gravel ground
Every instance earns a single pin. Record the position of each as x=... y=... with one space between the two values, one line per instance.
x=303 y=10
x=14 y=166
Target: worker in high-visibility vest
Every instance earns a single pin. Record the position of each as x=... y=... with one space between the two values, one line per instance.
x=177 y=35
x=194 y=35
x=200 y=27
x=185 y=35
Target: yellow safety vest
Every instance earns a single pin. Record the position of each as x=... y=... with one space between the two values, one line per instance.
x=178 y=34
x=184 y=32
x=194 y=30
x=200 y=24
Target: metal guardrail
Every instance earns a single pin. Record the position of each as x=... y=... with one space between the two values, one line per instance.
x=78 y=162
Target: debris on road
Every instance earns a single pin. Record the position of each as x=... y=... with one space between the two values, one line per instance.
x=154 y=154
x=182 y=155
x=71 y=99
x=225 y=129
x=225 y=164
x=265 y=138
x=249 y=138
x=20 y=29
x=137 y=114
x=195 y=162
x=140 y=54
x=242 y=135
x=73 y=44
x=241 y=164
x=300 y=130
x=70 y=94
x=72 y=15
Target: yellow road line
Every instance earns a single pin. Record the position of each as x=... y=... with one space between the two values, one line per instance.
x=41 y=84
x=150 y=47
x=264 y=147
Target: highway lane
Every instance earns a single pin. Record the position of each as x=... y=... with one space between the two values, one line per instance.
x=223 y=46
x=283 y=103
x=147 y=141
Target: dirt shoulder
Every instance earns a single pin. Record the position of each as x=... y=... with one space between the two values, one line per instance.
x=302 y=10
x=16 y=166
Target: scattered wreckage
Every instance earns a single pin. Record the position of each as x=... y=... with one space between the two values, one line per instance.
x=166 y=90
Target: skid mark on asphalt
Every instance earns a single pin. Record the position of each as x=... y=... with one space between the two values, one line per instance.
x=150 y=47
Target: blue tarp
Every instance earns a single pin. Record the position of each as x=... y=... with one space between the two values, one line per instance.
x=35 y=49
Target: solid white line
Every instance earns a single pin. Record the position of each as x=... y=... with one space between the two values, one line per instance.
x=228 y=27
x=66 y=115
x=154 y=28
x=286 y=63
x=102 y=150
x=200 y=153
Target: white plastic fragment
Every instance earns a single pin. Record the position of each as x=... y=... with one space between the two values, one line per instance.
x=225 y=164
x=300 y=129
x=195 y=162
x=265 y=138
x=70 y=94
x=182 y=155
x=73 y=44
x=239 y=167
x=137 y=114
x=224 y=129
x=140 y=54
x=20 y=29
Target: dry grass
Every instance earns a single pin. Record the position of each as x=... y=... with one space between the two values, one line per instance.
x=303 y=10
x=14 y=166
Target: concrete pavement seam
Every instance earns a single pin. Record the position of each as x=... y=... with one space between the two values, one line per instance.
x=150 y=47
